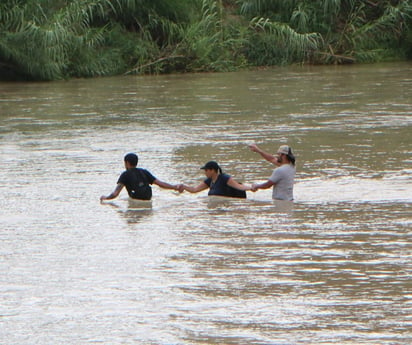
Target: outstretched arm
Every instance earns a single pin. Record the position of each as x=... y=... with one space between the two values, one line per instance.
x=165 y=185
x=232 y=183
x=196 y=189
x=113 y=194
x=264 y=185
x=268 y=156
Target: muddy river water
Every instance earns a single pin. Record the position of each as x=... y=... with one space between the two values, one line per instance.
x=334 y=267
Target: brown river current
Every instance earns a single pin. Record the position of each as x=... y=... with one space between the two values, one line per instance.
x=334 y=267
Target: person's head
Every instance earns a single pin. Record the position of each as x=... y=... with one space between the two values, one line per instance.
x=211 y=168
x=130 y=160
x=285 y=155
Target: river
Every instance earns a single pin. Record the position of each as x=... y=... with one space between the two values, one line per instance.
x=334 y=267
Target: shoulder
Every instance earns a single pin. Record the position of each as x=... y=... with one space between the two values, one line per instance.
x=124 y=177
x=225 y=177
x=285 y=168
x=125 y=173
x=147 y=173
x=289 y=168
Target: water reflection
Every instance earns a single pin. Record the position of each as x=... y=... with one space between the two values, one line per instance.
x=134 y=212
x=215 y=202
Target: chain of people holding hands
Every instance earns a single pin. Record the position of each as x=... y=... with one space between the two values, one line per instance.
x=137 y=180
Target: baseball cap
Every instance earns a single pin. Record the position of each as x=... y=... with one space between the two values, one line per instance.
x=211 y=165
x=285 y=149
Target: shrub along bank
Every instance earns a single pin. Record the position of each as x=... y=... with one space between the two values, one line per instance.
x=58 y=39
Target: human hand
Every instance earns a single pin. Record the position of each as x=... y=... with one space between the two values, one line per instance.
x=102 y=198
x=180 y=187
x=253 y=147
x=254 y=187
x=186 y=188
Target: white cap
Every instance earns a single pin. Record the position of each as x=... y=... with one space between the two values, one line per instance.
x=285 y=149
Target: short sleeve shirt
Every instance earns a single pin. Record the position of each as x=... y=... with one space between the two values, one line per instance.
x=283 y=178
x=219 y=186
x=131 y=178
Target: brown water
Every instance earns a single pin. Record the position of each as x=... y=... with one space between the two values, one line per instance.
x=333 y=268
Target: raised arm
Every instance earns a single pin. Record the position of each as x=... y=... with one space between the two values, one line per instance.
x=268 y=156
x=198 y=188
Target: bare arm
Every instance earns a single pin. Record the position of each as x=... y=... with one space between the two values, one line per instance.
x=166 y=185
x=268 y=156
x=264 y=185
x=232 y=183
x=196 y=189
x=113 y=194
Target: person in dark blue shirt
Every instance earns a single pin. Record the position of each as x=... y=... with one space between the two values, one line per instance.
x=137 y=181
x=219 y=183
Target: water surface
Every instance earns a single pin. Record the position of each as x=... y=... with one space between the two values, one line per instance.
x=333 y=268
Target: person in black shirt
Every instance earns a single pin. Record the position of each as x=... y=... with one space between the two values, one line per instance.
x=137 y=181
x=219 y=183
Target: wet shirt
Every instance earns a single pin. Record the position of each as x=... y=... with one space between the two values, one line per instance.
x=219 y=187
x=135 y=180
x=283 y=178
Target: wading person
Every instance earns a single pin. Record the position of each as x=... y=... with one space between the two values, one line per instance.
x=219 y=183
x=283 y=176
x=137 y=181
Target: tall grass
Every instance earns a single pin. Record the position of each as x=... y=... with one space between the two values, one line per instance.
x=273 y=43
x=56 y=39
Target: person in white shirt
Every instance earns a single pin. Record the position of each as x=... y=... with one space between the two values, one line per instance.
x=283 y=176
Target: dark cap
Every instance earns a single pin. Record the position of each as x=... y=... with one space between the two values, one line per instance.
x=211 y=165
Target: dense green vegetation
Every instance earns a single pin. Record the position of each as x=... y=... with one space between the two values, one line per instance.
x=56 y=39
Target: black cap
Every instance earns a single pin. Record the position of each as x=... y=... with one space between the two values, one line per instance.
x=211 y=165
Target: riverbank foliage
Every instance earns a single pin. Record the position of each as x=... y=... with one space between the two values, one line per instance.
x=58 y=39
